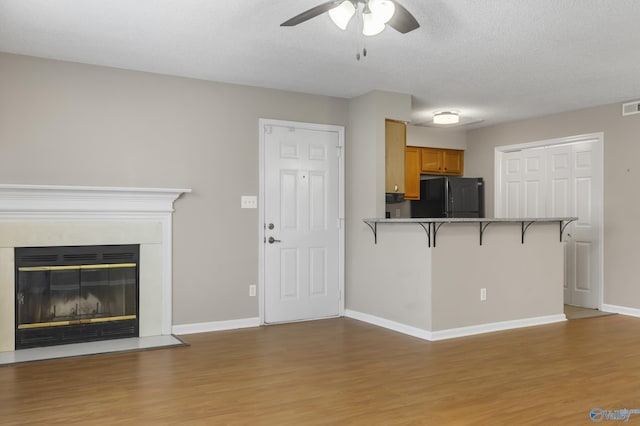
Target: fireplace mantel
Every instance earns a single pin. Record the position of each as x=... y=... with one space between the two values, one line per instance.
x=84 y=202
x=34 y=215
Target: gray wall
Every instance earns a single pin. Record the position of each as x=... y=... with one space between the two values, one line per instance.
x=523 y=281
x=70 y=124
x=621 y=179
x=437 y=137
x=388 y=280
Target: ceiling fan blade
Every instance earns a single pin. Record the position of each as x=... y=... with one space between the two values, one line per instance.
x=403 y=21
x=311 y=13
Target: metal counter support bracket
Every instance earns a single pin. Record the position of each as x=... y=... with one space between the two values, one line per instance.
x=374 y=229
x=435 y=228
x=482 y=228
x=427 y=229
x=563 y=226
x=524 y=229
x=432 y=225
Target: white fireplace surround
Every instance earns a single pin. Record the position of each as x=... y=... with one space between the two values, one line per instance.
x=44 y=215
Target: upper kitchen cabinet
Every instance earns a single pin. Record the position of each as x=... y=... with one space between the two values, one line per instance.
x=412 y=173
x=395 y=137
x=436 y=161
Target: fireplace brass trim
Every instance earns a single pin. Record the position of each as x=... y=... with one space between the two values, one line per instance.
x=76 y=267
x=75 y=322
x=44 y=324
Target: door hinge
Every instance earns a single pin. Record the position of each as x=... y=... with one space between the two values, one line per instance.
x=339 y=151
x=340 y=222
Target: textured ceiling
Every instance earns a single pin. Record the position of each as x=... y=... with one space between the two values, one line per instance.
x=495 y=60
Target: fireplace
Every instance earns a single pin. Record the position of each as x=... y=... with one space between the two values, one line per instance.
x=71 y=294
x=74 y=216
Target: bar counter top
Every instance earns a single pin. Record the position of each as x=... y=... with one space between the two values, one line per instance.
x=431 y=225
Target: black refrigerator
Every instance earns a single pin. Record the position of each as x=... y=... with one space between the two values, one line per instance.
x=450 y=197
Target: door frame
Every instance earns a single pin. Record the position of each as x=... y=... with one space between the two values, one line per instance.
x=262 y=122
x=598 y=139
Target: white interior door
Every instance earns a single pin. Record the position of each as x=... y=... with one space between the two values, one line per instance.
x=511 y=182
x=534 y=182
x=561 y=201
x=583 y=241
x=561 y=180
x=302 y=222
x=524 y=185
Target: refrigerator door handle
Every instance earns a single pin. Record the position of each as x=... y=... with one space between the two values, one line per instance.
x=449 y=200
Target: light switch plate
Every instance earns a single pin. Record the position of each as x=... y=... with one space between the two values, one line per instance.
x=248 y=202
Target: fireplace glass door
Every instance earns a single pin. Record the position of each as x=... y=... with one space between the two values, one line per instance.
x=77 y=301
x=63 y=295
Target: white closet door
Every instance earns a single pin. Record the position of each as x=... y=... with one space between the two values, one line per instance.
x=534 y=182
x=583 y=236
x=561 y=181
x=512 y=178
x=561 y=201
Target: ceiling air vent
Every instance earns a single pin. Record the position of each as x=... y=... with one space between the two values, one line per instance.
x=631 y=108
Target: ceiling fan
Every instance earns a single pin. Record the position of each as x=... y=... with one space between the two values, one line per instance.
x=376 y=15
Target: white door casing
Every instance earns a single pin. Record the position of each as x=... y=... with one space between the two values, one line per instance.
x=571 y=185
x=301 y=220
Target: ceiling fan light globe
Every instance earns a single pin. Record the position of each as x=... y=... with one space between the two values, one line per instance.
x=342 y=14
x=383 y=10
x=371 y=25
x=446 y=117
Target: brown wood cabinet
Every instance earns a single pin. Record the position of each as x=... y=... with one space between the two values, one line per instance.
x=437 y=161
x=395 y=138
x=412 y=173
x=429 y=161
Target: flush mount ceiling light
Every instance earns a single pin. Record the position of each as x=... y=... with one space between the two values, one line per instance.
x=446 y=117
x=376 y=15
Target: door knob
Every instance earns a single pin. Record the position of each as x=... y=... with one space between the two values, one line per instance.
x=273 y=240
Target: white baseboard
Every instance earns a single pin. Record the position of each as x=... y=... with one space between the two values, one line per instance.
x=453 y=332
x=391 y=325
x=633 y=312
x=205 y=327
x=496 y=326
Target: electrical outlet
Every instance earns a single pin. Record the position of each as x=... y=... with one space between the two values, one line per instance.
x=252 y=290
x=397 y=212
x=483 y=294
x=248 y=202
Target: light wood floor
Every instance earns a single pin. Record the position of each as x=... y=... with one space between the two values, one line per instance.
x=341 y=371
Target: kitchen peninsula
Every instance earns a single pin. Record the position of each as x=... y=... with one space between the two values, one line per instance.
x=467 y=276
